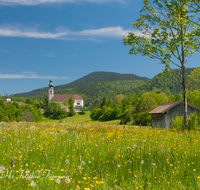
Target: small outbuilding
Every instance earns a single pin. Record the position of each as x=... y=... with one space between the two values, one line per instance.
x=162 y=115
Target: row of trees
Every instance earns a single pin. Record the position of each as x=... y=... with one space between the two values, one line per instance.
x=135 y=107
x=15 y=112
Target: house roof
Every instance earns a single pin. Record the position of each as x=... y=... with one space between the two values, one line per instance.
x=62 y=97
x=163 y=108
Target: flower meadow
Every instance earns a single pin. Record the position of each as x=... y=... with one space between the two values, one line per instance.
x=64 y=156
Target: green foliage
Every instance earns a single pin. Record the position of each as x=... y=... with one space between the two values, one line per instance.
x=29 y=101
x=194 y=97
x=27 y=116
x=96 y=104
x=45 y=102
x=95 y=114
x=193 y=123
x=177 y=124
x=168 y=85
x=83 y=110
x=194 y=79
x=54 y=111
x=146 y=103
x=104 y=102
x=14 y=112
x=166 y=27
x=126 y=115
x=71 y=107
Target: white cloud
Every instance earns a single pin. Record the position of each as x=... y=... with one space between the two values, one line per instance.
x=66 y=34
x=31 y=34
x=37 y=2
x=110 y=31
x=27 y=75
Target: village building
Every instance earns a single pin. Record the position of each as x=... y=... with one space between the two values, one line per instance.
x=7 y=98
x=78 y=100
x=162 y=115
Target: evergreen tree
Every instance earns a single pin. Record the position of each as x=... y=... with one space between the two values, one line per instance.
x=71 y=107
x=104 y=102
x=96 y=104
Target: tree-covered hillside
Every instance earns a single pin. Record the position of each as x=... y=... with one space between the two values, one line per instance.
x=95 y=77
x=168 y=84
x=99 y=84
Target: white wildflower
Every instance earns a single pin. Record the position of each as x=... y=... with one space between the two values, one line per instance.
x=153 y=164
x=142 y=162
x=2 y=168
x=67 y=180
x=57 y=180
x=82 y=163
x=33 y=184
x=66 y=161
x=118 y=166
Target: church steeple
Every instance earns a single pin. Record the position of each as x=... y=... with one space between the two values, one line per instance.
x=51 y=89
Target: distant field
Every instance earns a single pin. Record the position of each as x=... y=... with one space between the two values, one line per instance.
x=62 y=156
x=81 y=119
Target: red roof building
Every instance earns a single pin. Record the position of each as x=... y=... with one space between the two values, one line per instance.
x=78 y=100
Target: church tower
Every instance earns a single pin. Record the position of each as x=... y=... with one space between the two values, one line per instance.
x=51 y=90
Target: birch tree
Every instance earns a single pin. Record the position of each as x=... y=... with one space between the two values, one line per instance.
x=170 y=32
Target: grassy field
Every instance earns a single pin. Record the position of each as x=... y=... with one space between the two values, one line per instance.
x=81 y=119
x=94 y=156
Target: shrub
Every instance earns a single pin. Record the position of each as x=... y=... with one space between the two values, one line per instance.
x=178 y=125
x=27 y=116
x=193 y=121
x=5 y=118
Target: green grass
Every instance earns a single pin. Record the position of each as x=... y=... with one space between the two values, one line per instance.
x=81 y=119
x=99 y=157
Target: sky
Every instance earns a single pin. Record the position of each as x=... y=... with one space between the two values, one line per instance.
x=66 y=40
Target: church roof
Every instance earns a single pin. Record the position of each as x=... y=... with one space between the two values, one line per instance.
x=62 y=97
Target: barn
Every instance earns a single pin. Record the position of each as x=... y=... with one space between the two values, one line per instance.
x=162 y=115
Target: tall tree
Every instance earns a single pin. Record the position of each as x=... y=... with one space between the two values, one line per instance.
x=169 y=32
x=96 y=104
x=104 y=102
x=71 y=107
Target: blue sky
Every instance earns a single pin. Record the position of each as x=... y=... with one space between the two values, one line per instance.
x=67 y=39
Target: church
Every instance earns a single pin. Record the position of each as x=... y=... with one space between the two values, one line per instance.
x=78 y=100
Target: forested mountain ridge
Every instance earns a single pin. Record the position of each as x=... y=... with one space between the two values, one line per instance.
x=94 y=77
x=99 y=84
x=168 y=84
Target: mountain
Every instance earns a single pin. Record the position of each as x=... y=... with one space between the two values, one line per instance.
x=92 y=86
x=168 y=84
x=96 y=85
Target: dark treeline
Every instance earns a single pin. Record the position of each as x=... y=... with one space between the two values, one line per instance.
x=134 y=108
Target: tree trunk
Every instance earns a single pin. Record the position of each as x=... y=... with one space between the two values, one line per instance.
x=183 y=74
x=184 y=97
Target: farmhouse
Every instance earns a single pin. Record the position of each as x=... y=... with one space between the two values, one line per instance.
x=78 y=100
x=162 y=115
